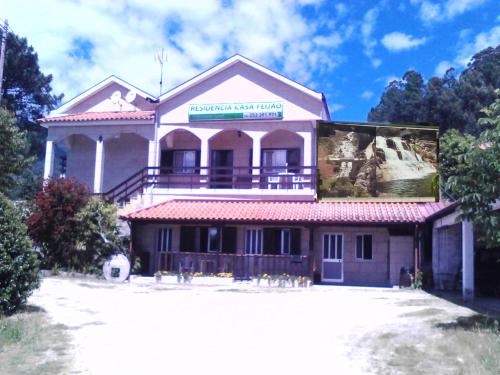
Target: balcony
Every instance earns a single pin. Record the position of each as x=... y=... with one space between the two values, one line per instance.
x=262 y=181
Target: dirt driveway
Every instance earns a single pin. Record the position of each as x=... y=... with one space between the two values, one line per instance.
x=143 y=328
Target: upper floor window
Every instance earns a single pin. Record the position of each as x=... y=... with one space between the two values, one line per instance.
x=280 y=160
x=180 y=161
x=184 y=161
x=364 y=245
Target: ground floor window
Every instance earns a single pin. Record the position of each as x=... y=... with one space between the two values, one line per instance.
x=333 y=246
x=253 y=241
x=164 y=239
x=203 y=239
x=285 y=242
x=282 y=241
x=213 y=242
x=364 y=249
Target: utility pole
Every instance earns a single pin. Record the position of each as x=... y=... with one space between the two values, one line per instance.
x=2 y=55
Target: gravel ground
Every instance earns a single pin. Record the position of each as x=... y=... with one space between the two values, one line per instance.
x=147 y=328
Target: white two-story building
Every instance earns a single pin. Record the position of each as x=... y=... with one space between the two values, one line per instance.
x=219 y=175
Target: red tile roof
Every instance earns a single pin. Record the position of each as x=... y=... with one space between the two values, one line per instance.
x=101 y=116
x=288 y=212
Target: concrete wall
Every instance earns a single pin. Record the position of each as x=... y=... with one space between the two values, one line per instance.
x=123 y=156
x=447 y=255
x=402 y=255
x=80 y=162
x=372 y=272
x=101 y=102
x=241 y=83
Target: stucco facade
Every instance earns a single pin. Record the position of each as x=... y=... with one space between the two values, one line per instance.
x=115 y=132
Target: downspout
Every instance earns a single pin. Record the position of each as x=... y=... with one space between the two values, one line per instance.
x=155 y=148
x=417 y=252
x=312 y=257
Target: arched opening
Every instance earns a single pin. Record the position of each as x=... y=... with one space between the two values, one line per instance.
x=230 y=160
x=180 y=152
x=282 y=152
x=180 y=160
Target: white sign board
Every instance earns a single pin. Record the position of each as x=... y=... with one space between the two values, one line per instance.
x=236 y=111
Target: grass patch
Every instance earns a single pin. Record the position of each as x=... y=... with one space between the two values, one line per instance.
x=30 y=344
x=424 y=313
x=468 y=345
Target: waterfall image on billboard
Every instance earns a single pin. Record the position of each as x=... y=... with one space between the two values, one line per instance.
x=356 y=161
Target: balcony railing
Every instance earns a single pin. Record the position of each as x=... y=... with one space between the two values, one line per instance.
x=246 y=178
x=242 y=266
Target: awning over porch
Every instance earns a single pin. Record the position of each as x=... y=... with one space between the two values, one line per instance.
x=288 y=212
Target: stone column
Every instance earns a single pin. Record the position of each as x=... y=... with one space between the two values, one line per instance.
x=99 y=165
x=467 y=261
x=48 y=169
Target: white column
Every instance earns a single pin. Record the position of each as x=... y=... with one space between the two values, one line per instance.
x=152 y=157
x=307 y=136
x=256 y=152
x=467 y=261
x=256 y=160
x=49 y=160
x=99 y=165
x=204 y=153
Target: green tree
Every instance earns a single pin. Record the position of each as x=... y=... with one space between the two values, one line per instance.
x=53 y=223
x=75 y=231
x=471 y=171
x=98 y=235
x=18 y=261
x=448 y=102
x=27 y=92
x=13 y=145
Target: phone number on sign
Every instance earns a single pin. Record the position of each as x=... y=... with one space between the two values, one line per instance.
x=262 y=115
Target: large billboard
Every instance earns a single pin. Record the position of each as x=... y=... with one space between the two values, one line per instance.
x=376 y=161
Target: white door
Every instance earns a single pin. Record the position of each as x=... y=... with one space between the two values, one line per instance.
x=333 y=254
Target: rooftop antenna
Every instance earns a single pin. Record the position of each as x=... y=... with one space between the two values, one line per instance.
x=161 y=57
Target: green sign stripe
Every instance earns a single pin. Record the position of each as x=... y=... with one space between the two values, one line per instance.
x=215 y=116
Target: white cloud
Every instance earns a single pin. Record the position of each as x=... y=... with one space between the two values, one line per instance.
x=335 y=107
x=387 y=79
x=369 y=42
x=490 y=38
x=397 y=41
x=367 y=94
x=468 y=46
x=442 y=67
x=430 y=11
x=125 y=35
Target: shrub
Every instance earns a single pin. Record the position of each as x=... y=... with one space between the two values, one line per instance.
x=18 y=261
x=98 y=234
x=53 y=223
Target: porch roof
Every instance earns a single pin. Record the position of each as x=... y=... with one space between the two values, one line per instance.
x=288 y=212
x=101 y=116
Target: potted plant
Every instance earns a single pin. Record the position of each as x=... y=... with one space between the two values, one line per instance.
x=157 y=275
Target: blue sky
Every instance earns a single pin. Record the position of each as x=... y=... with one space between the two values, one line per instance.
x=349 y=50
